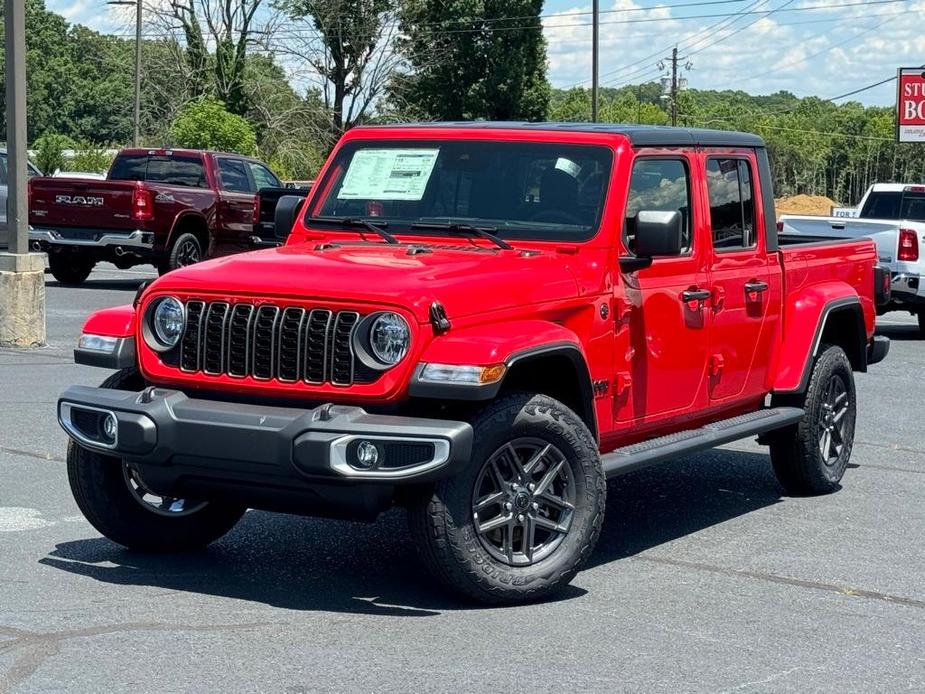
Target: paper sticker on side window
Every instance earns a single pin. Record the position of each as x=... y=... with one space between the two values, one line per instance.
x=388 y=174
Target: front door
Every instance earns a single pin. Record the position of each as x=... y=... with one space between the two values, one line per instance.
x=662 y=312
x=236 y=206
x=746 y=293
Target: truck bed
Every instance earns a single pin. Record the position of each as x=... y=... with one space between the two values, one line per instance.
x=82 y=204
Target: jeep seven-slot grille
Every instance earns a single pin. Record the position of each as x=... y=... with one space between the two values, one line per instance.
x=269 y=342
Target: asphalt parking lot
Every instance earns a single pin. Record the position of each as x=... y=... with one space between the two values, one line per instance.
x=706 y=579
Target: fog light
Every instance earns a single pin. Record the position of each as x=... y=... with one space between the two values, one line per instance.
x=367 y=454
x=109 y=428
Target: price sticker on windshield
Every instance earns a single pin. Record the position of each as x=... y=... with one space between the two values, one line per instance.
x=388 y=174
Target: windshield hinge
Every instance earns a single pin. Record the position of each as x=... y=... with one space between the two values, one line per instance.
x=438 y=318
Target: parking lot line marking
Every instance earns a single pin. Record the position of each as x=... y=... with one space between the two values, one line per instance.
x=786 y=580
x=30 y=454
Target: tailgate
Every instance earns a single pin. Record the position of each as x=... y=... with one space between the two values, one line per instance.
x=62 y=202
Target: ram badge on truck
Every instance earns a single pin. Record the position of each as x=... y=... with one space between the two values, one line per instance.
x=484 y=323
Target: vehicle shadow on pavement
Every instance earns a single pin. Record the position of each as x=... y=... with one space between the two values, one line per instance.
x=312 y=564
x=901 y=333
x=128 y=285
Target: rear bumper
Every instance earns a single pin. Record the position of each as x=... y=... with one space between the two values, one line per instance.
x=173 y=437
x=137 y=240
x=878 y=349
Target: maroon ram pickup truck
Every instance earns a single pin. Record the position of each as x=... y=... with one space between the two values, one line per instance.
x=164 y=207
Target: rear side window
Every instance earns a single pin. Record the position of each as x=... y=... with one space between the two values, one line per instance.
x=263 y=177
x=661 y=185
x=159 y=168
x=732 y=206
x=234 y=176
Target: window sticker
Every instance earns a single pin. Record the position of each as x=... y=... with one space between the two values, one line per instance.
x=388 y=174
x=568 y=166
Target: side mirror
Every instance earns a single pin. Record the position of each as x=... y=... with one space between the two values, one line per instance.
x=658 y=234
x=287 y=211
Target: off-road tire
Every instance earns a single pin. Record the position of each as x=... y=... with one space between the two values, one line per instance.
x=70 y=269
x=102 y=494
x=176 y=258
x=442 y=524
x=795 y=450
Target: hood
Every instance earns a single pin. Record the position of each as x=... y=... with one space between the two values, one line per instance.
x=466 y=279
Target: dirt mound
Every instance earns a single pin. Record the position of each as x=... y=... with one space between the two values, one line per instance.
x=805 y=204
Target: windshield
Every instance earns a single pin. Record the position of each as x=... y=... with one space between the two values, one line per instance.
x=516 y=190
x=897 y=204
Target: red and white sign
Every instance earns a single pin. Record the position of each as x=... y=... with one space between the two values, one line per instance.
x=910 y=105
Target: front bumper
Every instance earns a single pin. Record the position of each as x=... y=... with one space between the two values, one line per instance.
x=184 y=444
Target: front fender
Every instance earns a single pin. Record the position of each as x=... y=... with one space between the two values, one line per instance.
x=117 y=322
x=805 y=317
x=496 y=343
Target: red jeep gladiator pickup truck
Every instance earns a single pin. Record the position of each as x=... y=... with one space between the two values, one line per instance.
x=483 y=323
x=165 y=207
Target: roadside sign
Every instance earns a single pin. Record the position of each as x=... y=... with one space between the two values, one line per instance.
x=910 y=105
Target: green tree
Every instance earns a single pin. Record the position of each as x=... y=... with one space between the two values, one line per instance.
x=49 y=152
x=207 y=124
x=464 y=65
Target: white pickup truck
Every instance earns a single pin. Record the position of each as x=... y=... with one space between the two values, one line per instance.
x=893 y=215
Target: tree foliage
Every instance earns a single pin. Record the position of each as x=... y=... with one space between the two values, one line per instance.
x=49 y=152
x=464 y=65
x=207 y=124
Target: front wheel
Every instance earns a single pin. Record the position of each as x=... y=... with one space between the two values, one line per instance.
x=113 y=496
x=518 y=523
x=811 y=456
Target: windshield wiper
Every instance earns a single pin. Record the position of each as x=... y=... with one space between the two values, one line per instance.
x=355 y=223
x=456 y=227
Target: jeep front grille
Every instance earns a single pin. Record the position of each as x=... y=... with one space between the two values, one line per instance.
x=268 y=342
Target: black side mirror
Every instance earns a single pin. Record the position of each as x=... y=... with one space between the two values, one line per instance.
x=287 y=211
x=658 y=233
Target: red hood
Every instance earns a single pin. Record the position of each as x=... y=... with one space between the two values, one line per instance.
x=465 y=279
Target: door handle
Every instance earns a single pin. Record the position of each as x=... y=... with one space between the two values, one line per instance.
x=689 y=296
x=755 y=286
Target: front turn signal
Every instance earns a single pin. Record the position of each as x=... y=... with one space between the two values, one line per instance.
x=463 y=373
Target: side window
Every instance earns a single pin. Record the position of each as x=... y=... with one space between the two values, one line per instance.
x=732 y=206
x=234 y=176
x=263 y=177
x=659 y=185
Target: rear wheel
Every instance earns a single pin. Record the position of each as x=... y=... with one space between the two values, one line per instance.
x=186 y=250
x=519 y=522
x=70 y=268
x=113 y=496
x=811 y=456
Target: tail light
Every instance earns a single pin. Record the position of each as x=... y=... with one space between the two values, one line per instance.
x=255 y=218
x=908 y=245
x=142 y=204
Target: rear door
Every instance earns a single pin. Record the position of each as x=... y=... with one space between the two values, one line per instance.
x=663 y=335
x=745 y=279
x=236 y=204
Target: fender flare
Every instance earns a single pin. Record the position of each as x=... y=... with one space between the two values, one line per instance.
x=786 y=381
x=117 y=322
x=181 y=218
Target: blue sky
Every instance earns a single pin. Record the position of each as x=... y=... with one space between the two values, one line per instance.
x=822 y=52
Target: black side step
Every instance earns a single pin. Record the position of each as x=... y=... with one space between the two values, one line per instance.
x=653 y=451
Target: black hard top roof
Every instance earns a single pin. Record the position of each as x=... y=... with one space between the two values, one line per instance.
x=638 y=135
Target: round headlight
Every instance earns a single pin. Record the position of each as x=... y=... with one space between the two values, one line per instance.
x=389 y=338
x=166 y=323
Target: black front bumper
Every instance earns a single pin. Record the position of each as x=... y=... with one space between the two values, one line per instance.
x=279 y=458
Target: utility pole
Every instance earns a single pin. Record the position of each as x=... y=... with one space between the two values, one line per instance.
x=136 y=134
x=22 y=274
x=595 y=23
x=672 y=90
x=674 y=86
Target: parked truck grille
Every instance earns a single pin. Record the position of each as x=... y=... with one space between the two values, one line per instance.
x=269 y=342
